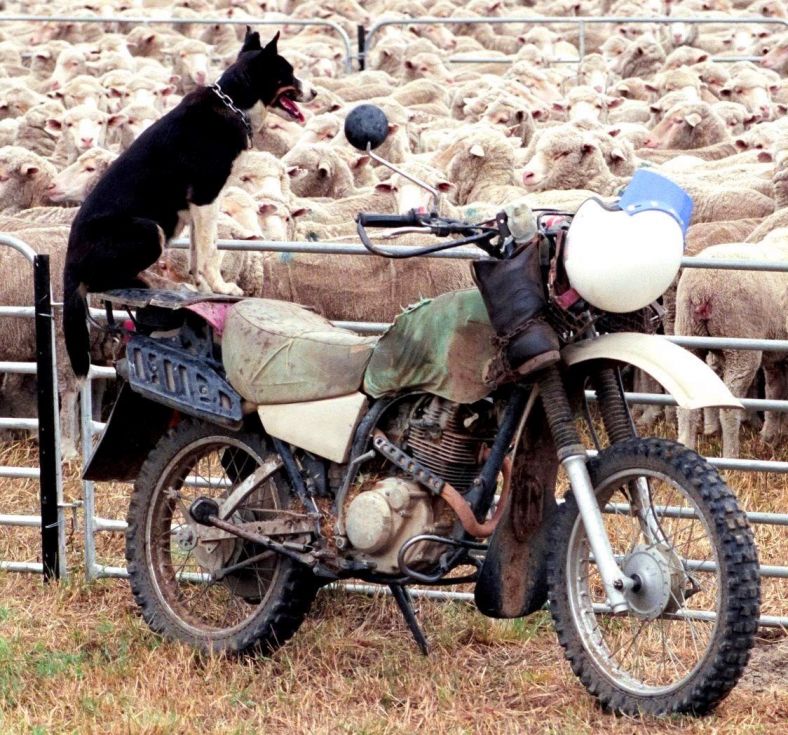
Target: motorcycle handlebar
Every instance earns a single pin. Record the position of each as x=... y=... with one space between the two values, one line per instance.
x=411 y=219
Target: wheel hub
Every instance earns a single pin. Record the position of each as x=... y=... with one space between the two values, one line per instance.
x=211 y=555
x=659 y=585
x=185 y=538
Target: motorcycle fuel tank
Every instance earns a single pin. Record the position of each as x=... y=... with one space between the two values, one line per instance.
x=443 y=346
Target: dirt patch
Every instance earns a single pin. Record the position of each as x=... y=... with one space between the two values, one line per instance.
x=768 y=667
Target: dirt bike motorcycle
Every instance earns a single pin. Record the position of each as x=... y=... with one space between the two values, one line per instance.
x=273 y=452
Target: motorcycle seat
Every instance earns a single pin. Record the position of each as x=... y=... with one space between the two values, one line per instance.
x=280 y=352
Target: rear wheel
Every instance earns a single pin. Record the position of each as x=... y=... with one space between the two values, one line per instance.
x=176 y=565
x=677 y=529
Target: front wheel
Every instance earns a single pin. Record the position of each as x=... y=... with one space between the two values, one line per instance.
x=676 y=528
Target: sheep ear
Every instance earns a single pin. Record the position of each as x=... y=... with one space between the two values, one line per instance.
x=477 y=150
x=692 y=119
x=384 y=186
x=725 y=92
x=648 y=86
x=360 y=162
x=444 y=186
x=741 y=144
x=616 y=154
x=393 y=128
x=116 y=120
x=702 y=58
x=300 y=212
x=409 y=64
x=54 y=125
x=613 y=102
x=294 y=170
x=588 y=147
x=323 y=170
x=765 y=157
x=613 y=132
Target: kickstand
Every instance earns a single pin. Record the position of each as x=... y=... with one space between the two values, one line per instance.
x=405 y=604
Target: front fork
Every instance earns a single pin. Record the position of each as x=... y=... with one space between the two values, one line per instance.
x=572 y=455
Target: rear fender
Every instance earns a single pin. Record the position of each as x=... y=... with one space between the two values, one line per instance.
x=688 y=379
x=134 y=428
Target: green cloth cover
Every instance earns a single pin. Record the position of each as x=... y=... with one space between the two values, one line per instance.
x=440 y=345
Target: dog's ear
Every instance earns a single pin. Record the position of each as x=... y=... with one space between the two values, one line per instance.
x=251 y=41
x=271 y=45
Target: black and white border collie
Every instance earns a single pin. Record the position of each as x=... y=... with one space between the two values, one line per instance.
x=169 y=177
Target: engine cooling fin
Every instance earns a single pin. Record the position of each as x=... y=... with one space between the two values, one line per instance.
x=450 y=452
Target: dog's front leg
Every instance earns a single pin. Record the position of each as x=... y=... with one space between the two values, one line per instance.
x=206 y=260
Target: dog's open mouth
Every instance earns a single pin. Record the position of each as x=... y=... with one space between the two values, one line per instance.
x=285 y=100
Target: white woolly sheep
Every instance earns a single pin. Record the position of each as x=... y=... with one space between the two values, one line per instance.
x=744 y=304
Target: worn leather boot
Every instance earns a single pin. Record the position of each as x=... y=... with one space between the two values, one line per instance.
x=514 y=296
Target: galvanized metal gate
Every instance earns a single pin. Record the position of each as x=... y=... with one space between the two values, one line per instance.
x=51 y=519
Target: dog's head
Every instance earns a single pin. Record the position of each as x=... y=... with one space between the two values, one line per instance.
x=272 y=77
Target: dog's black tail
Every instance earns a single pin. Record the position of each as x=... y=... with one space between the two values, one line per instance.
x=75 y=328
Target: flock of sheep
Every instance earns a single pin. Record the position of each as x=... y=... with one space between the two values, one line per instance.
x=72 y=95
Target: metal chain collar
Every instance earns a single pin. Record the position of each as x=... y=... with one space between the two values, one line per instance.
x=220 y=93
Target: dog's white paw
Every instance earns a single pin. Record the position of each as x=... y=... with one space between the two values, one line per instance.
x=228 y=289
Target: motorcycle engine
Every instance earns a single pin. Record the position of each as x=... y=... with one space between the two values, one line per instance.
x=450 y=440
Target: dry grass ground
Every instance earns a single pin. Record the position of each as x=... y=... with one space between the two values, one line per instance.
x=77 y=658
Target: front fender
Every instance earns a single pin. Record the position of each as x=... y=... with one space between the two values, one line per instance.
x=688 y=379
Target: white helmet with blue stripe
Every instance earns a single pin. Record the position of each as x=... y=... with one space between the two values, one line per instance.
x=622 y=258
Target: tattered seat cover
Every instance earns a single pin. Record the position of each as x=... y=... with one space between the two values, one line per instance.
x=278 y=352
x=442 y=346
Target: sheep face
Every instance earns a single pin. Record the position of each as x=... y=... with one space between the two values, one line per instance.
x=261 y=175
x=776 y=58
x=752 y=91
x=76 y=181
x=82 y=127
x=70 y=63
x=241 y=208
x=563 y=161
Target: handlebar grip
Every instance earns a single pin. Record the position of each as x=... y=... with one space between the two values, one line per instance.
x=411 y=219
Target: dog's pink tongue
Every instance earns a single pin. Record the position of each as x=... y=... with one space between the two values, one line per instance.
x=292 y=108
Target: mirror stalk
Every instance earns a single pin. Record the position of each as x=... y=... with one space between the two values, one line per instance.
x=431 y=189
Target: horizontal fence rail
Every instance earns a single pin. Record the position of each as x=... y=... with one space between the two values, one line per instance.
x=156 y=20
x=582 y=23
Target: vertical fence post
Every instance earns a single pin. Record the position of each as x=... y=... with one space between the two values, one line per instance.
x=88 y=488
x=362 y=47
x=48 y=422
